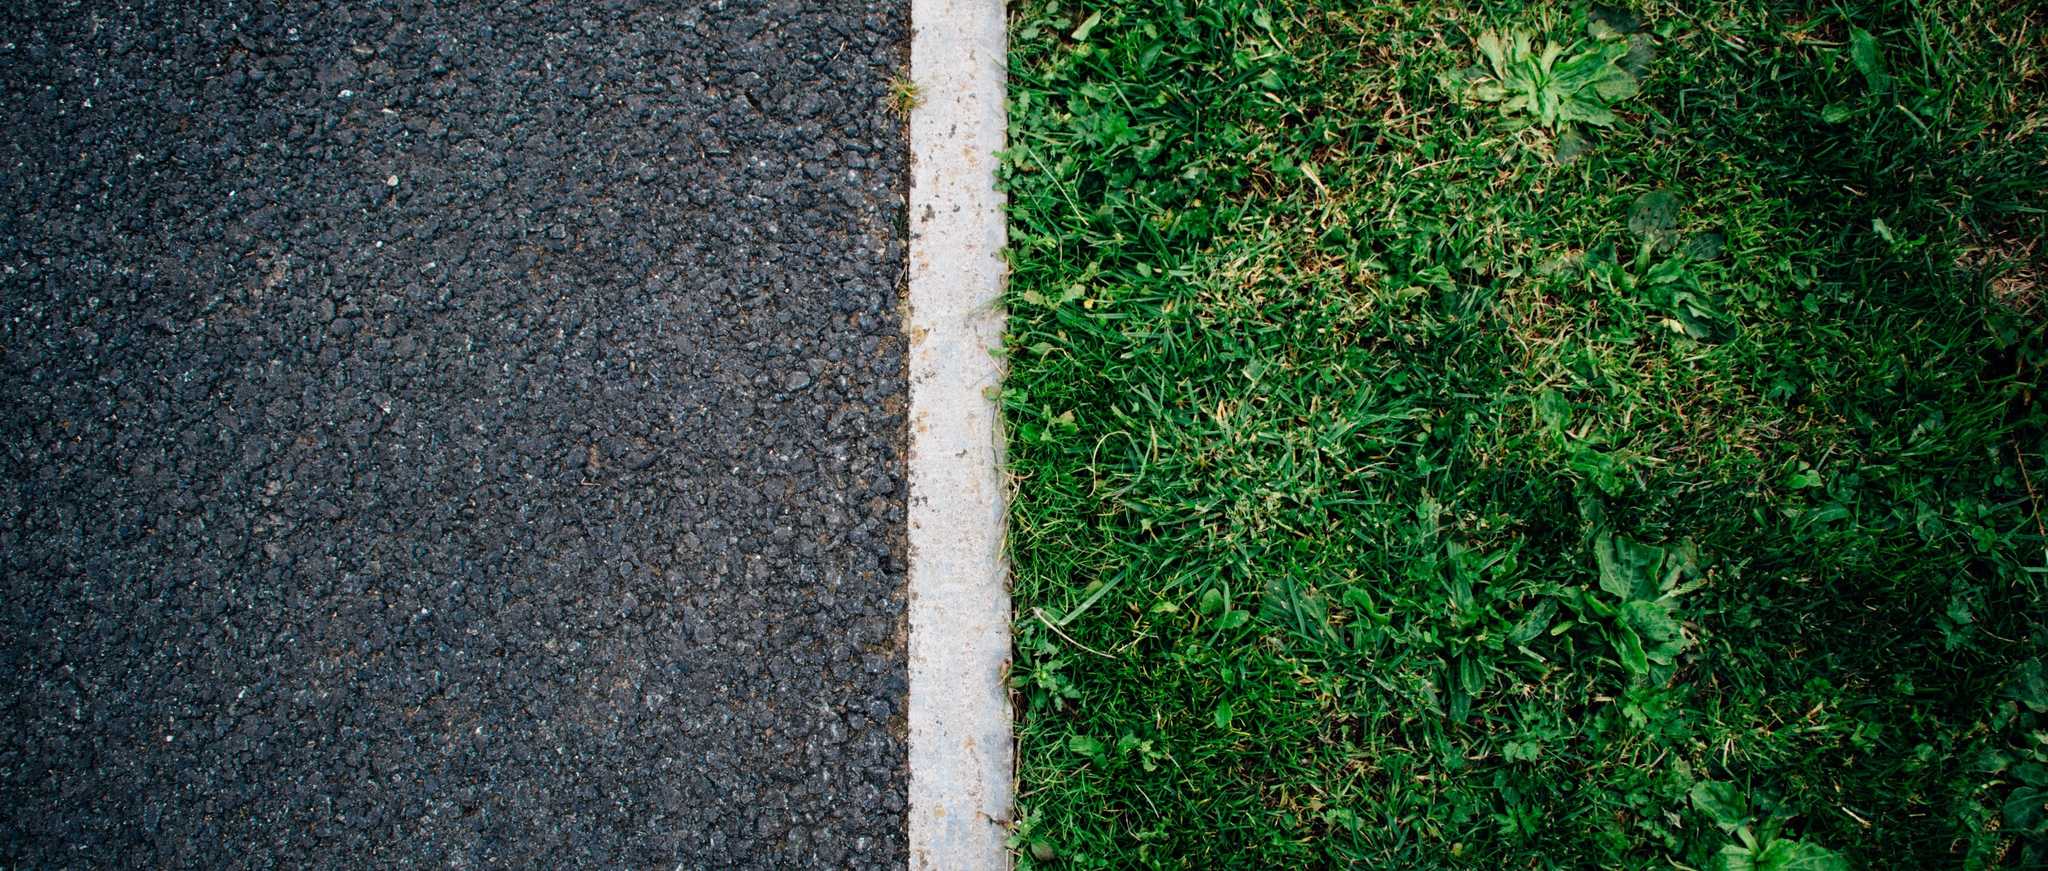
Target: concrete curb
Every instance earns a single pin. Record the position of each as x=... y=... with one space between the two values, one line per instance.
x=961 y=756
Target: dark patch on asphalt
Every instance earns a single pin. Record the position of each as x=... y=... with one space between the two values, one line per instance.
x=451 y=433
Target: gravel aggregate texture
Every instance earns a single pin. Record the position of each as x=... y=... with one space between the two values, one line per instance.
x=462 y=434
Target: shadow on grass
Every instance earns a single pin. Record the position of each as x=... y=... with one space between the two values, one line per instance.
x=1908 y=589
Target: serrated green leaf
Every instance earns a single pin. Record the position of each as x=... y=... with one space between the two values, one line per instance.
x=1589 y=113
x=1642 y=51
x=1734 y=857
x=1650 y=619
x=1533 y=623
x=2026 y=809
x=1628 y=648
x=1628 y=569
x=1617 y=85
x=1787 y=855
x=1722 y=802
x=1653 y=217
x=1494 y=49
x=1080 y=34
x=1553 y=410
x=1611 y=22
x=1869 y=59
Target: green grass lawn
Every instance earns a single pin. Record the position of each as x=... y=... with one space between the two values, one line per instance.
x=1619 y=449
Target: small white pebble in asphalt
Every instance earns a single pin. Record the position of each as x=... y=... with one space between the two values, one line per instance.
x=391 y=181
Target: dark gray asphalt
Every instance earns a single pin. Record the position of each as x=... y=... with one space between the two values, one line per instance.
x=457 y=433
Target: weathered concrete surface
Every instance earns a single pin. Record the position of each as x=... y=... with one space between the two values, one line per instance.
x=960 y=744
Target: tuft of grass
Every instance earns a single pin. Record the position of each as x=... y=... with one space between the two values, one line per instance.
x=904 y=95
x=1407 y=477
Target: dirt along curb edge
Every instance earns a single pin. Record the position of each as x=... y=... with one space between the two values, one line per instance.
x=960 y=739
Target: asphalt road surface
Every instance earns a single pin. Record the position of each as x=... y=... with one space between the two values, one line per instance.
x=464 y=434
